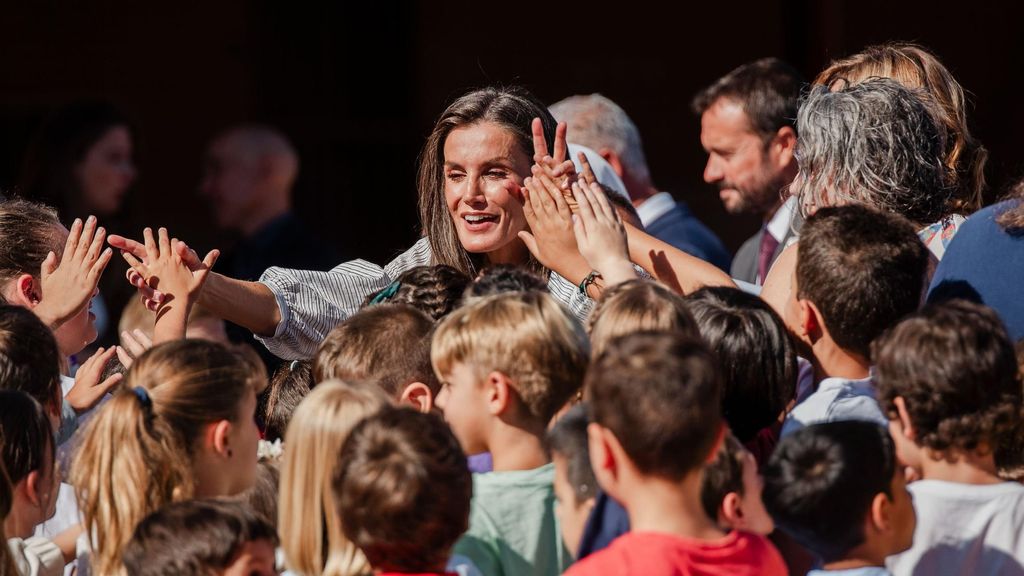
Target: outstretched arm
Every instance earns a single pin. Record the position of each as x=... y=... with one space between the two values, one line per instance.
x=249 y=304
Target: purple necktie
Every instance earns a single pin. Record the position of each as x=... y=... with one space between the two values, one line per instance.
x=764 y=256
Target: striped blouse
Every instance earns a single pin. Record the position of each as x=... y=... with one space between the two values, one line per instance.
x=312 y=303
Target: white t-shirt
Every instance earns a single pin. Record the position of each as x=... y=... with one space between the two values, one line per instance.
x=964 y=529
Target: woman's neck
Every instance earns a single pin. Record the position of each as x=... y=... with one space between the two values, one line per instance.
x=514 y=252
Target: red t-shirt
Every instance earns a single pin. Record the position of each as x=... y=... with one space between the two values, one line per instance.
x=656 y=554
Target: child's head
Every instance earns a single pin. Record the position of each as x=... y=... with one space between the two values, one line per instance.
x=755 y=352
x=655 y=409
x=515 y=357
x=210 y=537
x=575 y=485
x=202 y=324
x=858 y=272
x=837 y=489
x=291 y=383
x=947 y=377
x=403 y=488
x=28 y=457
x=634 y=306
x=28 y=232
x=183 y=425
x=502 y=278
x=731 y=493
x=387 y=344
x=434 y=290
x=315 y=435
x=29 y=359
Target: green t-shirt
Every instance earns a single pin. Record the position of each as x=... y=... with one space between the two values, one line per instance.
x=512 y=526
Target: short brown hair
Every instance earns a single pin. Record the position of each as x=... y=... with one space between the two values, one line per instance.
x=194 y=537
x=955 y=368
x=403 y=489
x=387 y=344
x=863 y=269
x=722 y=476
x=768 y=90
x=528 y=336
x=658 y=392
x=28 y=232
x=637 y=305
x=291 y=383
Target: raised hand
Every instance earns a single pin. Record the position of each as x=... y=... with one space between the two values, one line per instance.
x=67 y=286
x=135 y=343
x=558 y=166
x=88 y=390
x=151 y=297
x=600 y=234
x=550 y=239
x=165 y=269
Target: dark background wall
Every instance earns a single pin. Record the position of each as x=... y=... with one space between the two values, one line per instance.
x=357 y=85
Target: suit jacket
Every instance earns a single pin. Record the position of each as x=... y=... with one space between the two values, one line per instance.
x=680 y=228
x=744 y=265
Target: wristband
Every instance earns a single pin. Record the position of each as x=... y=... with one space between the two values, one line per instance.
x=590 y=279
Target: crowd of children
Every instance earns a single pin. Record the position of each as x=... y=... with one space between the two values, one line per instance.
x=563 y=405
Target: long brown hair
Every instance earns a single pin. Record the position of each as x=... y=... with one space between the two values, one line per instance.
x=915 y=67
x=136 y=454
x=513 y=108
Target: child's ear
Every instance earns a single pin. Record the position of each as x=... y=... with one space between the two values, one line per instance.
x=603 y=458
x=32 y=486
x=810 y=321
x=906 y=426
x=731 y=511
x=713 y=453
x=499 y=392
x=881 y=508
x=219 y=438
x=26 y=292
x=419 y=396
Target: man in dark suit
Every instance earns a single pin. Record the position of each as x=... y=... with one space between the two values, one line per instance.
x=600 y=124
x=749 y=132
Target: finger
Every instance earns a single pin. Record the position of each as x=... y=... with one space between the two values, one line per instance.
x=552 y=192
x=49 y=265
x=597 y=194
x=540 y=145
x=588 y=172
x=125 y=358
x=105 y=386
x=528 y=209
x=165 y=242
x=561 y=205
x=99 y=266
x=151 y=248
x=85 y=242
x=127 y=245
x=143 y=339
x=189 y=257
x=211 y=258
x=96 y=247
x=71 y=244
x=138 y=267
x=132 y=343
x=561 y=148
x=531 y=243
x=585 y=208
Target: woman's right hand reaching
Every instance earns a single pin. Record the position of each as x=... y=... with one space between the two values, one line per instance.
x=67 y=286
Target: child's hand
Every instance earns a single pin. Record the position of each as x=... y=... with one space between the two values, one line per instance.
x=135 y=343
x=68 y=286
x=88 y=390
x=550 y=239
x=600 y=234
x=165 y=270
x=558 y=167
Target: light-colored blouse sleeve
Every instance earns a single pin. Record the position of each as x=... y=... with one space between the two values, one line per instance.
x=312 y=303
x=36 y=556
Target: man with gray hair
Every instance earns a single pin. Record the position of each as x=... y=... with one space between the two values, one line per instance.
x=748 y=129
x=598 y=123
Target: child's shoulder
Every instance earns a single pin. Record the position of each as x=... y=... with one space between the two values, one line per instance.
x=649 y=553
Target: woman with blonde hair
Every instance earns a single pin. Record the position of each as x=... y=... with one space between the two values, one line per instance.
x=183 y=427
x=915 y=67
x=317 y=431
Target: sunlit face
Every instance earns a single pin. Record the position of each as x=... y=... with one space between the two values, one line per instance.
x=484 y=168
x=463 y=399
x=256 y=558
x=230 y=178
x=106 y=172
x=572 y=515
x=755 y=517
x=80 y=330
x=244 y=439
x=738 y=164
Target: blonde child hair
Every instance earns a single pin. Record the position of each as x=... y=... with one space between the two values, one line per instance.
x=528 y=336
x=634 y=306
x=137 y=452
x=317 y=431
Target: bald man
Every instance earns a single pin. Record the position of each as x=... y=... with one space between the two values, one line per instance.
x=248 y=177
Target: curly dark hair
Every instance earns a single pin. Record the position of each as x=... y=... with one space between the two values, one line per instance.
x=434 y=290
x=955 y=368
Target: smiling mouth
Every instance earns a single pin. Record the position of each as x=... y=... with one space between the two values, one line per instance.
x=479 y=218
